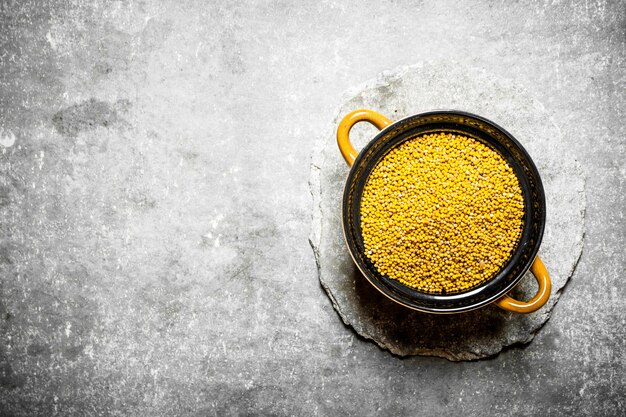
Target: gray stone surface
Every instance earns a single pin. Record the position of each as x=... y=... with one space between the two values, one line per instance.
x=155 y=206
x=480 y=333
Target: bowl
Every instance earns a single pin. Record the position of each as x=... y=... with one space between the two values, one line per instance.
x=523 y=258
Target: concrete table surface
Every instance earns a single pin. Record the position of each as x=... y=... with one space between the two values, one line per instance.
x=154 y=206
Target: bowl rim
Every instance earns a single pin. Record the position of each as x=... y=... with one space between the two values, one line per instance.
x=373 y=280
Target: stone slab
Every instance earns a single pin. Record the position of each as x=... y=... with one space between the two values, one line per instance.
x=477 y=334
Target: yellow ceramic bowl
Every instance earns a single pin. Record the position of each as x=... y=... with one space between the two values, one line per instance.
x=476 y=127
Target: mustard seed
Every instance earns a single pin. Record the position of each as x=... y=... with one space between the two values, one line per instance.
x=441 y=213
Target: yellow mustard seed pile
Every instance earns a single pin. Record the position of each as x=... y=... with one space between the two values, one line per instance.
x=441 y=213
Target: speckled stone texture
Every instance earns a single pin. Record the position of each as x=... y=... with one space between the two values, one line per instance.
x=155 y=207
x=480 y=333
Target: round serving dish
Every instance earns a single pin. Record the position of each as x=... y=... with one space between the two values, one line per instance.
x=449 y=121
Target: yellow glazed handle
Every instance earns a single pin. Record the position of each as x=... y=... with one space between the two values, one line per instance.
x=352 y=118
x=543 y=293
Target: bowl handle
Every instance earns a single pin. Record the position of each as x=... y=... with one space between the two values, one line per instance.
x=543 y=293
x=352 y=118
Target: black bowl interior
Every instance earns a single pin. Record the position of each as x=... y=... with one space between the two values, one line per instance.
x=493 y=136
